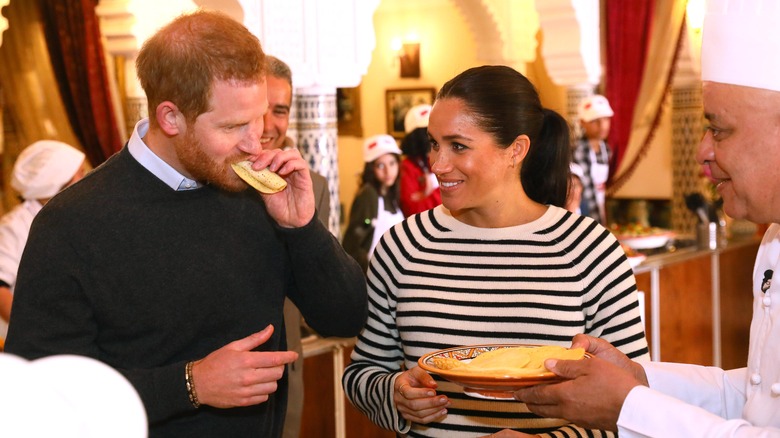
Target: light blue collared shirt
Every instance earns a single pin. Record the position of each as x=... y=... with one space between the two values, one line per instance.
x=159 y=168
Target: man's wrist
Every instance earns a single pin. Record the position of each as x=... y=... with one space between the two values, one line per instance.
x=190 y=382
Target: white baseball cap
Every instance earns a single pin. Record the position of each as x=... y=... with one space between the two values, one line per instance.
x=417 y=117
x=378 y=145
x=44 y=167
x=594 y=107
x=740 y=43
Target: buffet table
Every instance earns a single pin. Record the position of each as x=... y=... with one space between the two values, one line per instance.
x=698 y=303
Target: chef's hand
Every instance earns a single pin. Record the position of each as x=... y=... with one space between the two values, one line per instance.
x=294 y=206
x=235 y=375
x=604 y=350
x=415 y=397
x=609 y=373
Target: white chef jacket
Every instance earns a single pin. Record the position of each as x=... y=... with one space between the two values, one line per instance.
x=14 y=230
x=695 y=401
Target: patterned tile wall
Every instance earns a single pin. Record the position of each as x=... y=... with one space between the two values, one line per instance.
x=314 y=122
x=687 y=129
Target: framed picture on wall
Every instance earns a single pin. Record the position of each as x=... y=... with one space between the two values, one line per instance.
x=397 y=103
x=348 y=111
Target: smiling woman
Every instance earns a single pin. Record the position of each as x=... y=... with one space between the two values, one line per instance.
x=500 y=262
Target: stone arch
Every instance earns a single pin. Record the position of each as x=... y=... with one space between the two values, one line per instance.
x=488 y=34
x=505 y=32
x=3 y=20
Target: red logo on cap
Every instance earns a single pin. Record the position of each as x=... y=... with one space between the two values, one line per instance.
x=424 y=112
x=588 y=105
x=372 y=145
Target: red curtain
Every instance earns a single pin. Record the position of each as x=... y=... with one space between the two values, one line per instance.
x=628 y=28
x=74 y=42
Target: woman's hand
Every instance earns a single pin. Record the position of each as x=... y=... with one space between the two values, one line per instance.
x=415 y=397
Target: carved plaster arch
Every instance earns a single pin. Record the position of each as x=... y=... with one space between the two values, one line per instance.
x=505 y=32
x=489 y=35
x=3 y=20
x=572 y=40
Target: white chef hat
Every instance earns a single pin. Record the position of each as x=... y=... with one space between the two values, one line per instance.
x=740 y=43
x=69 y=397
x=378 y=145
x=594 y=107
x=44 y=167
x=417 y=117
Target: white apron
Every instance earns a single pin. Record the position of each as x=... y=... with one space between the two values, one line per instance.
x=599 y=174
x=384 y=221
x=14 y=230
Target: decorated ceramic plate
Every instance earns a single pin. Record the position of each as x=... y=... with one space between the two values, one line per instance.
x=490 y=384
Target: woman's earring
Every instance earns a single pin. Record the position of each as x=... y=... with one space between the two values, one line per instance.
x=513 y=162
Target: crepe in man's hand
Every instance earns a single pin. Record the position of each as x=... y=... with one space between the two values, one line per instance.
x=264 y=180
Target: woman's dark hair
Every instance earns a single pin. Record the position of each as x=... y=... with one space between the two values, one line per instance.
x=505 y=104
x=416 y=144
x=393 y=195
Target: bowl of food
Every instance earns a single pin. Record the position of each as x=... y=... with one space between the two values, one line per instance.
x=638 y=236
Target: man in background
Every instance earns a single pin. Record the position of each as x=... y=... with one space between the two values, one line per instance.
x=276 y=122
x=740 y=153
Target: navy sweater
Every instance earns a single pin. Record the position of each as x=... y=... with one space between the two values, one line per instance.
x=123 y=269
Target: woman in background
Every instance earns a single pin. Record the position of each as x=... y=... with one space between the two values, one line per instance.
x=376 y=205
x=419 y=186
x=499 y=262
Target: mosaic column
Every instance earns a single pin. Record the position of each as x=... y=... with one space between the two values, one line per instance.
x=687 y=129
x=313 y=123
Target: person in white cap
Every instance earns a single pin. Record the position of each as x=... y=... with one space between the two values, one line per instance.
x=41 y=171
x=419 y=186
x=740 y=153
x=375 y=208
x=592 y=154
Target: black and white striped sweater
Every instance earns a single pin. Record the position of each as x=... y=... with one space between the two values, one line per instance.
x=435 y=283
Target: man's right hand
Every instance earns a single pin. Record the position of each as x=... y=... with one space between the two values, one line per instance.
x=604 y=350
x=235 y=375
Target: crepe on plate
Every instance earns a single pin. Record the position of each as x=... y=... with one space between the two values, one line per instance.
x=512 y=361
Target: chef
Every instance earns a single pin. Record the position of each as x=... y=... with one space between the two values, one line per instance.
x=740 y=153
x=41 y=171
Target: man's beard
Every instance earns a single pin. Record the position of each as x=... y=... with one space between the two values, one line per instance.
x=204 y=168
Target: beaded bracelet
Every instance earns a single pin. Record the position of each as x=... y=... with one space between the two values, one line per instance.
x=191 y=385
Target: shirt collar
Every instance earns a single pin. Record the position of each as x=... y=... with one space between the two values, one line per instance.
x=159 y=168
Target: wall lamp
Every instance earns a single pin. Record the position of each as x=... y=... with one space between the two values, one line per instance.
x=408 y=54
